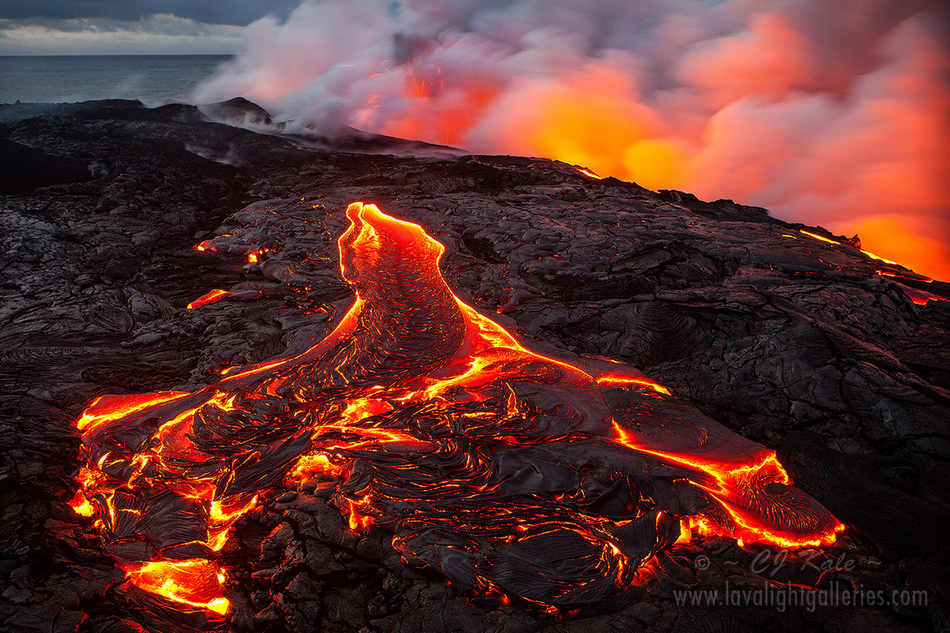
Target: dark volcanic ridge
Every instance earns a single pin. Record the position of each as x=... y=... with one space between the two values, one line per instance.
x=837 y=360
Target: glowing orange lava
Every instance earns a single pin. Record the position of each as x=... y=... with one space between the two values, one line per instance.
x=212 y=296
x=820 y=237
x=192 y=583
x=921 y=297
x=610 y=379
x=589 y=173
x=734 y=488
x=912 y=276
x=487 y=459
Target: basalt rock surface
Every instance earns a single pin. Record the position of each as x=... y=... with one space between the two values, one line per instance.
x=838 y=360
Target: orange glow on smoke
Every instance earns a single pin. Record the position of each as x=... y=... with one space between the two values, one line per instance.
x=445 y=120
x=610 y=134
x=890 y=192
x=896 y=240
x=589 y=119
x=470 y=361
x=721 y=99
x=907 y=242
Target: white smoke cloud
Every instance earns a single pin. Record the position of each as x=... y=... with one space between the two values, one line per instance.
x=825 y=113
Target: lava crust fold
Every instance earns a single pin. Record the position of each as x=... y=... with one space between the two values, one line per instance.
x=502 y=469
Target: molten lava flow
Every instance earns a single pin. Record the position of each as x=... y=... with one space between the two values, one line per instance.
x=916 y=295
x=915 y=277
x=610 y=379
x=880 y=259
x=921 y=297
x=109 y=408
x=589 y=173
x=917 y=298
x=254 y=256
x=191 y=583
x=512 y=473
x=738 y=488
x=820 y=237
x=212 y=296
x=916 y=242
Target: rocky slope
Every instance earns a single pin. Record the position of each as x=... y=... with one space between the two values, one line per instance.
x=838 y=360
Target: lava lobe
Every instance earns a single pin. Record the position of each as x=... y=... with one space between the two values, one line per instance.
x=504 y=470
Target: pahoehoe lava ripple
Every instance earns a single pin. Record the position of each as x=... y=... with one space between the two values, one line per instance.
x=502 y=469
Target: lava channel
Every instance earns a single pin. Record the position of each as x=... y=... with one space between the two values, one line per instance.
x=504 y=470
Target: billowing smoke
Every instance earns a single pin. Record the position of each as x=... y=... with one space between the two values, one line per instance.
x=831 y=113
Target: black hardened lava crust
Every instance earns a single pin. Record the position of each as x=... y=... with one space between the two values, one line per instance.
x=811 y=348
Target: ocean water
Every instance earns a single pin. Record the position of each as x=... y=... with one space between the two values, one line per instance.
x=154 y=79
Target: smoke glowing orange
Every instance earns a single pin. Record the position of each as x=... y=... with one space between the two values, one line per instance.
x=837 y=118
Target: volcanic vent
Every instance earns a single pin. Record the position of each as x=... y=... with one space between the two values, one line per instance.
x=502 y=469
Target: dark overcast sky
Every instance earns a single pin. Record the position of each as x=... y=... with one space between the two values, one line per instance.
x=238 y=12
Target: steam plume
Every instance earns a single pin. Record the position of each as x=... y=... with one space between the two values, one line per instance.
x=827 y=113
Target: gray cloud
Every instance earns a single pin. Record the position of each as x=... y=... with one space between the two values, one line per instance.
x=152 y=34
x=236 y=12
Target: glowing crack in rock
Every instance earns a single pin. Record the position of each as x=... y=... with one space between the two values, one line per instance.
x=590 y=173
x=212 y=296
x=507 y=471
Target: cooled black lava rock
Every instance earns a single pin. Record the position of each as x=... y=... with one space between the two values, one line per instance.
x=803 y=345
x=111 y=108
x=23 y=168
x=237 y=110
